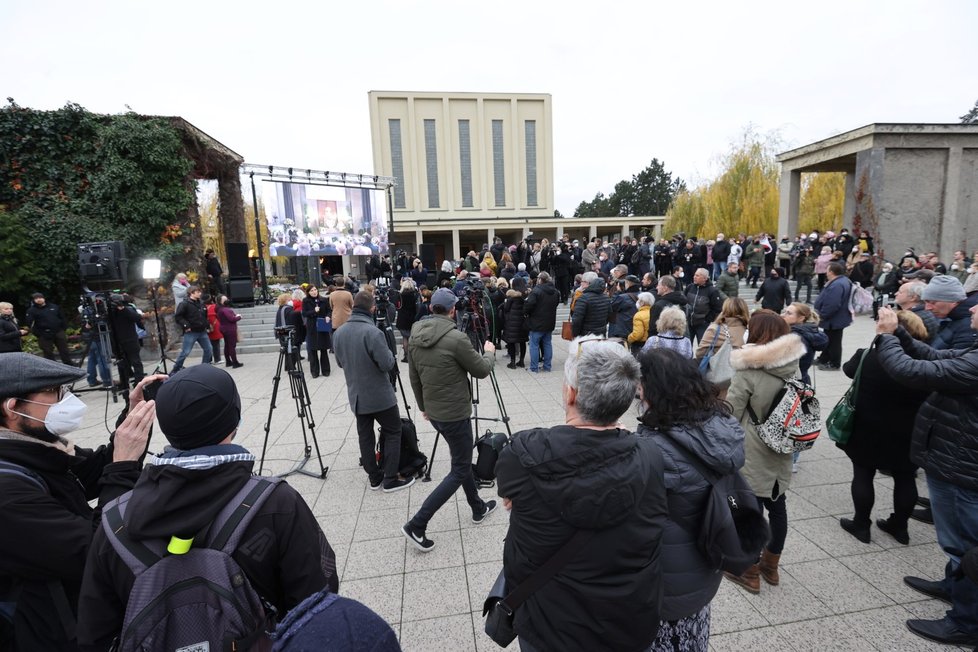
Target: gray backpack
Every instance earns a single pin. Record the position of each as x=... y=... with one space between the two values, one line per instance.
x=199 y=601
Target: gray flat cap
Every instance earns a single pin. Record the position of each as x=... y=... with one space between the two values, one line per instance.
x=24 y=373
x=944 y=288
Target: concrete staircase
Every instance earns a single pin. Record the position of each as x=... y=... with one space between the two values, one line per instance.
x=256 y=330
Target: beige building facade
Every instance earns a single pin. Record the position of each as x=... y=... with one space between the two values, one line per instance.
x=473 y=166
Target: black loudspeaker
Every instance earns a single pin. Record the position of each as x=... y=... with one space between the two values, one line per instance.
x=238 y=265
x=426 y=252
x=102 y=261
x=240 y=292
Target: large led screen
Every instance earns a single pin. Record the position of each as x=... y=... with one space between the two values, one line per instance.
x=315 y=220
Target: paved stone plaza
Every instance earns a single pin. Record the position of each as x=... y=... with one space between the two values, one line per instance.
x=835 y=593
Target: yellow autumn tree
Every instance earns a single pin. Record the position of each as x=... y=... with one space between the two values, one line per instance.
x=823 y=195
x=743 y=198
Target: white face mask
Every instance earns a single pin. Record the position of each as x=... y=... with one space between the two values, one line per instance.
x=63 y=417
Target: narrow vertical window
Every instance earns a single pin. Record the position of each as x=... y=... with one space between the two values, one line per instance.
x=397 y=162
x=431 y=162
x=530 y=132
x=498 y=163
x=465 y=162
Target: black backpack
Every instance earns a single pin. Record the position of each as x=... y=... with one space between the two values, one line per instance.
x=197 y=600
x=733 y=529
x=487 y=448
x=412 y=461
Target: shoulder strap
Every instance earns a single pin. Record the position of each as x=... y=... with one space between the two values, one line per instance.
x=231 y=522
x=542 y=575
x=11 y=468
x=859 y=371
x=133 y=553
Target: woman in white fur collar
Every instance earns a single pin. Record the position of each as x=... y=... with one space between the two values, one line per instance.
x=770 y=357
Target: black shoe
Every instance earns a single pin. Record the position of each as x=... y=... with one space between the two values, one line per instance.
x=923 y=515
x=511 y=365
x=390 y=486
x=859 y=531
x=942 y=631
x=520 y=364
x=404 y=359
x=887 y=526
x=488 y=508
x=326 y=373
x=376 y=484
x=238 y=365
x=314 y=375
x=420 y=541
x=923 y=502
x=828 y=367
x=933 y=589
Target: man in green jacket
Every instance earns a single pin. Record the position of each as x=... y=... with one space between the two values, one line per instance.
x=728 y=283
x=754 y=253
x=440 y=361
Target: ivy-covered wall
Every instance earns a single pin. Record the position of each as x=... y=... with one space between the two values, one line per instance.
x=71 y=176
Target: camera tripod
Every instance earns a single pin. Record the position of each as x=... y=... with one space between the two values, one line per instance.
x=475 y=325
x=289 y=360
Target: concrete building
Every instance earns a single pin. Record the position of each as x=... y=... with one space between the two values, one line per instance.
x=472 y=166
x=909 y=185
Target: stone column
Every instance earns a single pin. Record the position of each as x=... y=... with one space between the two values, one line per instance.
x=790 y=195
x=954 y=227
x=490 y=235
x=456 y=246
x=849 y=205
x=592 y=232
x=418 y=239
x=560 y=232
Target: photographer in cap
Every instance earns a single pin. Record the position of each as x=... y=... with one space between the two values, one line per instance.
x=283 y=552
x=440 y=359
x=46 y=483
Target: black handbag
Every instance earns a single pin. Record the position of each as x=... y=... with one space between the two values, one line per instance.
x=500 y=605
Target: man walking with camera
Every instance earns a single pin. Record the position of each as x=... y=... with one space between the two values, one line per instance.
x=191 y=317
x=362 y=352
x=440 y=361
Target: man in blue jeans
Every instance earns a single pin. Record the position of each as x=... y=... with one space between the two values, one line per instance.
x=191 y=317
x=440 y=359
x=540 y=309
x=945 y=445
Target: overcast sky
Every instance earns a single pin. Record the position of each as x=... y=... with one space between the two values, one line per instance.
x=286 y=83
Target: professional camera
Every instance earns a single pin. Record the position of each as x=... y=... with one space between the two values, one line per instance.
x=529 y=239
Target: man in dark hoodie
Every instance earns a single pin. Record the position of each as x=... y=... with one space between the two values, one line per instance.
x=774 y=293
x=540 y=309
x=667 y=295
x=705 y=304
x=440 y=360
x=587 y=474
x=283 y=552
x=46 y=483
x=591 y=310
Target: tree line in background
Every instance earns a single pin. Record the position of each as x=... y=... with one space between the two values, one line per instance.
x=70 y=176
x=742 y=198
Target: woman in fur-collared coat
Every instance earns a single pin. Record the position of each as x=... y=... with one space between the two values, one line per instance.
x=769 y=358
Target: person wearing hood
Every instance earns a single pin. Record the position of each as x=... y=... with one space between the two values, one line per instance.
x=704 y=304
x=587 y=474
x=591 y=310
x=46 y=485
x=774 y=293
x=667 y=295
x=440 y=361
x=540 y=309
x=687 y=419
x=761 y=367
x=283 y=551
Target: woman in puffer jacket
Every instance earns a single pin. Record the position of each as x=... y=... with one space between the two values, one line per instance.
x=761 y=367
x=516 y=332
x=685 y=416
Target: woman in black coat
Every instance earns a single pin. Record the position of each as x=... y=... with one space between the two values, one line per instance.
x=496 y=293
x=407 y=312
x=686 y=418
x=516 y=332
x=318 y=343
x=885 y=414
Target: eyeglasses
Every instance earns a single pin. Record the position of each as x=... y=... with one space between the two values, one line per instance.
x=61 y=390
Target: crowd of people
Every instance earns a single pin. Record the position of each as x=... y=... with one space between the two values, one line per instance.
x=112 y=525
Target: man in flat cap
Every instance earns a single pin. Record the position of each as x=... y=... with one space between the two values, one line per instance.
x=282 y=550
x=46 y=483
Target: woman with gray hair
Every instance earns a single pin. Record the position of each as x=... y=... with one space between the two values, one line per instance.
x=407 y=312
x=671 y=327
x=640 y=322
x=591 y=475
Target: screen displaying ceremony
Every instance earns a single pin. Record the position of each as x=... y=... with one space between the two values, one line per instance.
x=318 y=220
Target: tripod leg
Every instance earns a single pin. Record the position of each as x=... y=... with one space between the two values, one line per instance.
x=504 y=417
x=271 y=409
x=431 y=460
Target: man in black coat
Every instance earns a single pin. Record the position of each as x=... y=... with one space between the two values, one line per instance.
x=945 y=445
x=540 y=309
x=46 y=484
x=214 y=273
x=667 y=295
x=191 y=317
x=124 y=319
x=48 y=323
x=721 y=250
x=704 y=303
x=282 y=551
x=590 y=316
x=774 y=293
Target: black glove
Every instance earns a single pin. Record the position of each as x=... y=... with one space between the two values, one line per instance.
x=969 y=565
